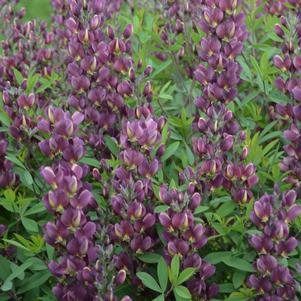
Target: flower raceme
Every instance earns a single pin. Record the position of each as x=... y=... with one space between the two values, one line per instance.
x=99 y=68
x=223 y=42
x=219 y=75
x=272 y=215
x=132 y=199
x=80 y=266
x=289 y=62
x=184 y=237
x=71 y=233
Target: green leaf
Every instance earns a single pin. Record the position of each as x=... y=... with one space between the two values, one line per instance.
x=171 y=149
x=16 y=244
x=182 y=292
x=29 y=224
x=91 y=162
x=35 y=280
x=5 y=268
x=7 y=286
x=4 y=118
x=161 y=208
x=161 y=68
x=35 y=209
x=239 y=264
x=26 y=177
x=185 y=275
x=201 y=209
x=13 y=159
x=165 y=133
x=174 y=269
x=226 y=208
x=159 y=298
x=16 y=273
x=149 y=257
x=238 y=278
x=162 y=272
x=37 y=264
x=9 y=202
x=217 y=257
x=225 y=287
x=246 y=70
x=18 y=76
x=190 y=154
x=237 y=296
x=31 y=83
x=149 y=281
x=112 y=145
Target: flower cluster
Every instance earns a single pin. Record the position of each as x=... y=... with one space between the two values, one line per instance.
x=132 y=200
x=97 y=62
x=27 y=44
x=221 y=165
x=183 y=14
x=83 y=267
x=103 y=8
x=179 y=20
x=184 y=237
x=289 y=62
x=223 y=42
x=7 y=177
x=275 y=7
x=216 y=167
x=71 y=233
x=271 y=215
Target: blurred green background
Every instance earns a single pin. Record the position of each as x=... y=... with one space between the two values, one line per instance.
x=37 y=9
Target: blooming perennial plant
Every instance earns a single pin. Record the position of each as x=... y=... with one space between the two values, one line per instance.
x=84 y=130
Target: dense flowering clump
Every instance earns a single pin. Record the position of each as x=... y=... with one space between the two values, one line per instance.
x=133 y=197
x=185 y=236
x=289 y=62
x=141 y=198
x=27 y=56
x=272 y=215
x=221 y=160
x=27 y=44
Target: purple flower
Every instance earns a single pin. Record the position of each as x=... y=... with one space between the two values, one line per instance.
x=270 y=216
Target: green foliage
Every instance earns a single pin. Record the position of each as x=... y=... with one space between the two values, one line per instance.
x=170 y=278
